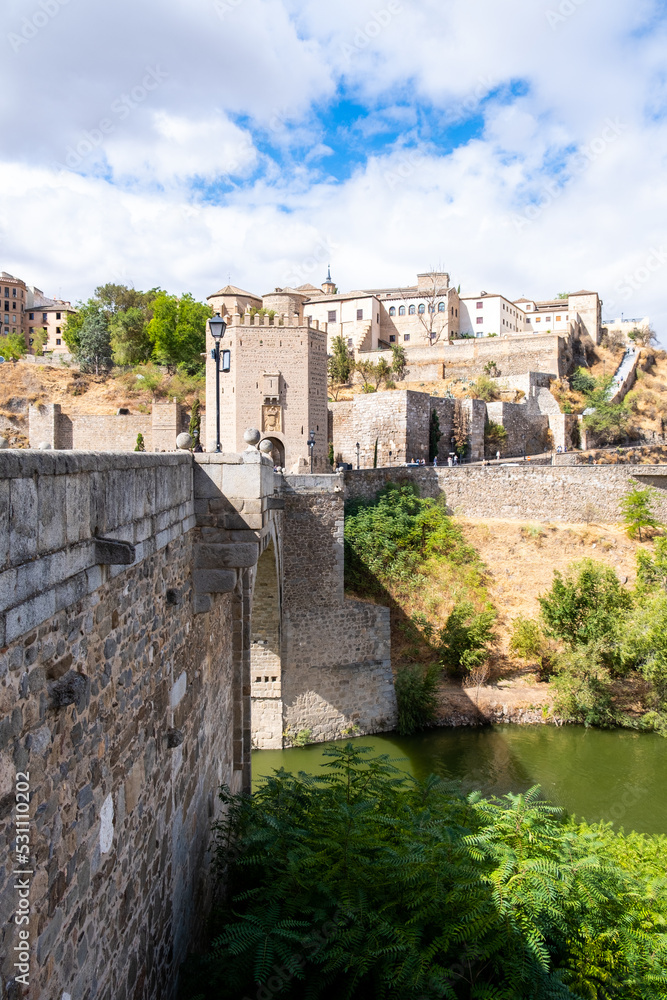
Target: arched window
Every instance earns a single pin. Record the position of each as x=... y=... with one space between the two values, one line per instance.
x=401 y=310
x=442 y=307
x=431 y=307
x=422 y=308
x=392 y=311
x=411 y=310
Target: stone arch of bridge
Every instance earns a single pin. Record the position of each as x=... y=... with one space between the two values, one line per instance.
x=266 y=706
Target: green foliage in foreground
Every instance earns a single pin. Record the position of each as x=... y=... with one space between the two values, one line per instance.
x=584 y=605
x=388 y=539
x=361 y=883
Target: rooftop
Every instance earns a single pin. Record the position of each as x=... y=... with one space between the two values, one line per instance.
x=233 y=290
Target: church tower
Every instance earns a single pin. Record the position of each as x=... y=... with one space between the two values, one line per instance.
x=328 y=286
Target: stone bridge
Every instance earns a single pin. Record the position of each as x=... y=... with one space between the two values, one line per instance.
x=158 y=614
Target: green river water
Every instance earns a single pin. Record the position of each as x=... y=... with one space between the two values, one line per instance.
x=611 y=775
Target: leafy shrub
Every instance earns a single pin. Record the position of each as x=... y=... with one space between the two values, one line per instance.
x=13 y=346
x=416 y=698
x=495 y=437
x=484 y=388
x=527 y=639
x=585 y=605
x=388 y=538
x=360 y=883
x=637 y=511
x=583 y=687
x=645 y=643
x=463 y=641
x=652 y=570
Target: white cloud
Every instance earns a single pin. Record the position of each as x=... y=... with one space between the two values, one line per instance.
x=545 y=197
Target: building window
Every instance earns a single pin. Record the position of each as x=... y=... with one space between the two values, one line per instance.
x=392 y=310
x=350 y=342
x=13 y=305
x=480 y=305
x=441 y=307
x=412 y=310
x=31 y=330
x=406 y=336
x=401 y=310
x=6 y=293
x=332 y=317
x=480 y=319
x=58 y=341
x=547 y=319
x=538 y=319
x=44 y=317
x=392 y=338
x=558 y=319
x=360 y=313
x=32 y=315
x=422 y=308
x=57 y=329
x=57 y=315
x=14 y=292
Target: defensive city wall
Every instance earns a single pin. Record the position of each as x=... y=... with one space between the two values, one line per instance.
x=157 y=614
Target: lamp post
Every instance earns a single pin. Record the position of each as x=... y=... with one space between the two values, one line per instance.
x=311 y=445
x=217 y=327
x=357 y=446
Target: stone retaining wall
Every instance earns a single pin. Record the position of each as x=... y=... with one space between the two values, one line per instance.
x=542 y=494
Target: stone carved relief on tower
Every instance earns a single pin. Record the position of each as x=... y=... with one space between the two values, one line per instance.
x=272 y=422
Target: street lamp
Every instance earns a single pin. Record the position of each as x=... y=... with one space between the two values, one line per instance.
x=217 y=327
x=311 y=445
x=358 y=446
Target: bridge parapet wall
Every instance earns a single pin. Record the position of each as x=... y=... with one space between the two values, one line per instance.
x=120 y=704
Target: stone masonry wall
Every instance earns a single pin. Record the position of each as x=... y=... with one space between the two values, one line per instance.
x=106 y=432
x=336 y=668
x=542 y=493
x=115 y=699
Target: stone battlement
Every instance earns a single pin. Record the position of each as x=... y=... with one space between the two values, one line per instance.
x=279 y=320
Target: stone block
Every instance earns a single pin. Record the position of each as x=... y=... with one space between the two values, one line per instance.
x=23 y=520
x=4 y=521
x=51 y=507
x=207 y=482
x=242 y=481
x=201 y=604
x=214 y=581
x=225 y=556
x=30 y=614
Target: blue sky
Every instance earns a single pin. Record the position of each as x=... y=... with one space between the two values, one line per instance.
x=520 y=146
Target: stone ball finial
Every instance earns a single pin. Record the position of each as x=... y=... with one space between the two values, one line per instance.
x=184 y=442
x=44 y=446
x=266 y=447
x=4 y=443
x=251 y=437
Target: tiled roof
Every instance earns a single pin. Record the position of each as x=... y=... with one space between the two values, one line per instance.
x=233 y=290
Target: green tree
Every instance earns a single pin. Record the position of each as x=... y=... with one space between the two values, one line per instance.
x=340 y=365
x=583 y=686
x=115 y=299
x=399 y=361
x=130 y=342
x=586 y=605
x=495 y=437
x=583 y=381
x=644 y=644
x=140 y=446
x=434 y=435
x=608 y=421
x=13 y=346
x=94 y=350
x=194 y=429
x=178 y=330
x=637 y=510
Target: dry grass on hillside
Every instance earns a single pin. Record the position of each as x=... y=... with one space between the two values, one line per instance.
x=23 y=383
